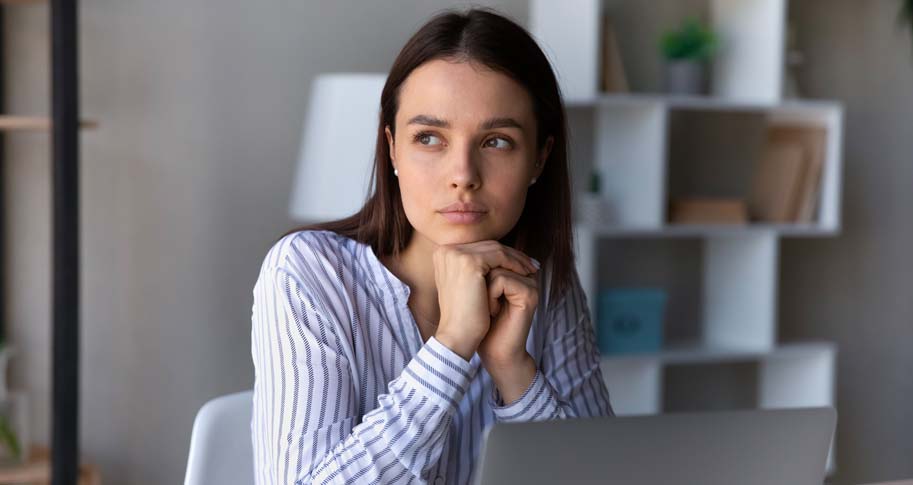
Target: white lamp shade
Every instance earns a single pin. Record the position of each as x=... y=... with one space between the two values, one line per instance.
x=337 y=146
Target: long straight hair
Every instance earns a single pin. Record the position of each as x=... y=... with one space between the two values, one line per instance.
x=479 y=35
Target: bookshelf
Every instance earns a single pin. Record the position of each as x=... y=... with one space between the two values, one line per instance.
x=637 y=151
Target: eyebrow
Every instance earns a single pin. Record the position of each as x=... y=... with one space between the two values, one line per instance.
x=485 y=125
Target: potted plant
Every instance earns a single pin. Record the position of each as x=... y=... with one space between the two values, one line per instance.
x=686 y=52
x=13 y=417
x=905 y=17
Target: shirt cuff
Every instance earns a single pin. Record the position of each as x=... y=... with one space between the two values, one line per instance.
x=440 y=373
x=537 y=403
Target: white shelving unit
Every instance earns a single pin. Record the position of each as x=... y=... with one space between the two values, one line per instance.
x=739 y=274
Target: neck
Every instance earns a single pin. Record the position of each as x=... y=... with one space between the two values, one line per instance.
x=414 y=267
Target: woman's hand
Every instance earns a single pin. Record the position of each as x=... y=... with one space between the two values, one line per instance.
x=461 y=275
x=513 y=299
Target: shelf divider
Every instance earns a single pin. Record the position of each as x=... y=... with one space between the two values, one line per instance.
x=740 y=291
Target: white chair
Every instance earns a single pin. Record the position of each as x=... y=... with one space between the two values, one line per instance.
x=220 y=443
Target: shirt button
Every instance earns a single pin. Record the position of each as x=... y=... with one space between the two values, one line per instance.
x=439 y=481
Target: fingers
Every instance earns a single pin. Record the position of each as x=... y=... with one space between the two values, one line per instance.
x=494 y=306
x=485 y=256
x=496 y=254
x=517 y=290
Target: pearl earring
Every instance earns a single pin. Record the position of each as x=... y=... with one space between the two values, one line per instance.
x=396 y=172
x=533 y=181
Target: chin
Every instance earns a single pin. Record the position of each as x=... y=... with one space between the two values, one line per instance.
x=464 y=234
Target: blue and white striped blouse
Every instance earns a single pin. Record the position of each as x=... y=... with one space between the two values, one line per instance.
x=346 y=391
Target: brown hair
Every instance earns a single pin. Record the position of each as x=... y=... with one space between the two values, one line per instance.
x=484 y=36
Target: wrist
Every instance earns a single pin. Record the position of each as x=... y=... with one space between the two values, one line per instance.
x=461 y=348
x=507 y=361
x=513 y=380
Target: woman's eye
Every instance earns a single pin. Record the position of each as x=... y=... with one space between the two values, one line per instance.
x=425 y=138
x=506 y=143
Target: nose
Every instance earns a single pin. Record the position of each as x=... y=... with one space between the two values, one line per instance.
x=464 y=171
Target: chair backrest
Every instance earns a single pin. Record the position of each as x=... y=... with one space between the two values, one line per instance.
x=220 y=443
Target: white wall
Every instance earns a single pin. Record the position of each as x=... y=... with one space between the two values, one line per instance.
x=858 y=289
x=185 y=185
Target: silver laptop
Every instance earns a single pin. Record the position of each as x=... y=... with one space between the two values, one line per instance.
x=783 y=446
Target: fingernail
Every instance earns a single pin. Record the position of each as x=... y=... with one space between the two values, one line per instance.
x=535 y=263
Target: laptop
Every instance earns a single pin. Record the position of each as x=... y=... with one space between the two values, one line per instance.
x=754 y=447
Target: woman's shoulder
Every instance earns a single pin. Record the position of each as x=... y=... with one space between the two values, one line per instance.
x=308 y=252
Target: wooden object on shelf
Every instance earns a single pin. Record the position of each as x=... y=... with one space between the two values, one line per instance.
x=777 y=179
x=813 y=140
x=37 y=470
x=787 y=183
x=612 y=71
x=707 y=210
x=34 y=123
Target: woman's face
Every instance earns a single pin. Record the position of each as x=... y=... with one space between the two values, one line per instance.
x=464 y=134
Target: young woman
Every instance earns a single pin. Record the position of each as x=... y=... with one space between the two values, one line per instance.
x=385 y=343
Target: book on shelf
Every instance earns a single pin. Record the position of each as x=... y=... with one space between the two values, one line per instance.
x=708 y=210
x=612 y=73
x=787 y=178
x=776 y=182
x=813 y=139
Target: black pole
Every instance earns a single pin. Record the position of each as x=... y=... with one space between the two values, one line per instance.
x=65 y=390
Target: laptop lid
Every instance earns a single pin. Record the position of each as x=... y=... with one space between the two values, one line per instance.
x=752 y=447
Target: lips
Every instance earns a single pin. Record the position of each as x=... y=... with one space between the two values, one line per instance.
x=464 y=207
x=458 y=217
x=464 y=212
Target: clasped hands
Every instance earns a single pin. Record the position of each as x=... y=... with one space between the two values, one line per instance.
x=488 y=293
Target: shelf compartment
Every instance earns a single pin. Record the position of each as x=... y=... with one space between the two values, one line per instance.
x=649 y=150
x=748 y=67
x=733 y=276
x=630 y=155
x=796 y=374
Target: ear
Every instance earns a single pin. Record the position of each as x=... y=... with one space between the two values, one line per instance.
x=543 y=155
x=390 y=144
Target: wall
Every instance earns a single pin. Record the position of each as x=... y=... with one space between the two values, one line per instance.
x=857 y=289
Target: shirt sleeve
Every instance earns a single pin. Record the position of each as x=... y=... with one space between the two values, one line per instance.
x=568 y=382
x=304 y=418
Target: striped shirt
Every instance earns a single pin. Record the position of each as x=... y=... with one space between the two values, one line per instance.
x=346 y=391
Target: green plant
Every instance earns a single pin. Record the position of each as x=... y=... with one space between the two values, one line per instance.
x=905 y=17
x=594 y=183
x=8 y=437
x=692 y=41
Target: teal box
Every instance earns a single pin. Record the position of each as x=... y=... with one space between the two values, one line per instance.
x=631 y=320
